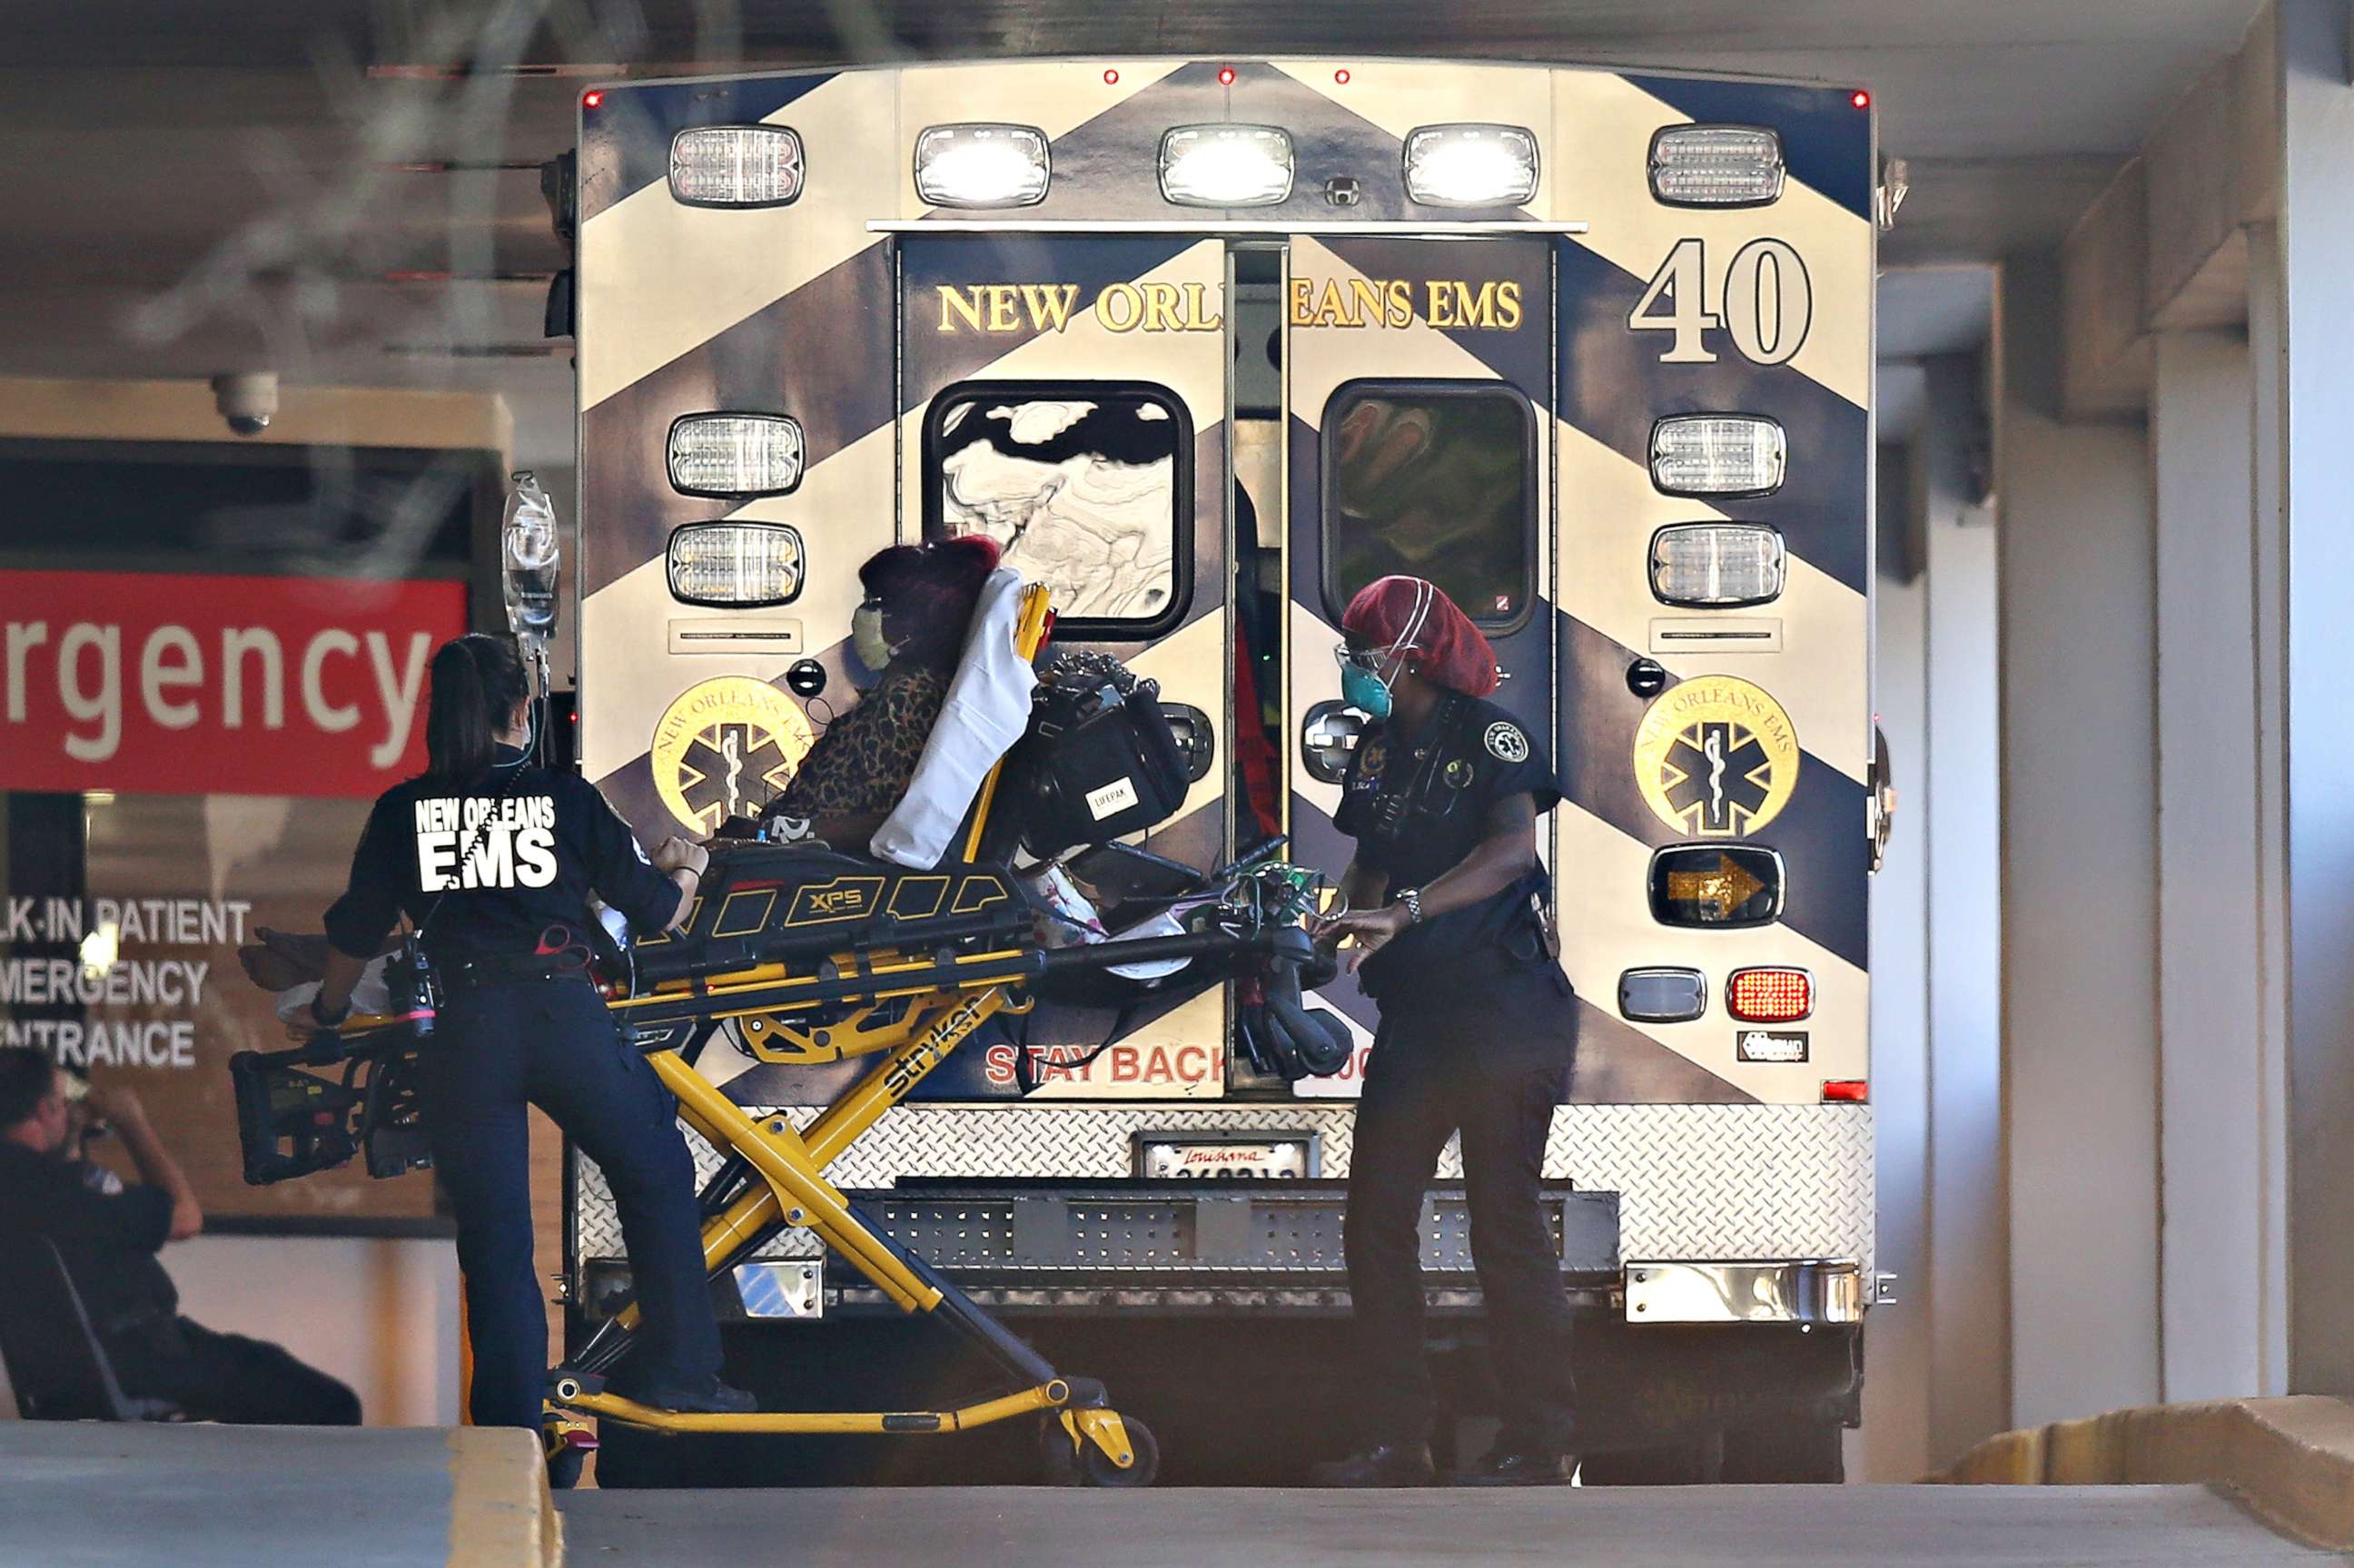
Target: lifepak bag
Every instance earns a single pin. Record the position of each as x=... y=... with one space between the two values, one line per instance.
x=1100 y=760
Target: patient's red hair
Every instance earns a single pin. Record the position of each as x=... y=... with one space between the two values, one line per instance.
x=927 y=592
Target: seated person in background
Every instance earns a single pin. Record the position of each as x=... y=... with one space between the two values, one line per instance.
x=108 y=1234
x=911 y=630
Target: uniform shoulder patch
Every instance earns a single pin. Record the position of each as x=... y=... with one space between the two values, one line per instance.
x=1506 y=742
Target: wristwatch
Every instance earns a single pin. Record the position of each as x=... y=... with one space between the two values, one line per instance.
x=323 y=1021
x=1412 y=898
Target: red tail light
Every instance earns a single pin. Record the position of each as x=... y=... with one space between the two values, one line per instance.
x=1847 y=1091
x=1769 y=995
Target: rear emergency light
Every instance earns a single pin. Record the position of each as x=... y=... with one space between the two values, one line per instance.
x=982 y=165
x=1717 y=566
x=1717 y=886
x=1718 y=454
x=1225 y=165
x=1847 y=1091
x=735 y=565
x=730 y=455
x=736 y=166
x=1662 y=995
x=1716 y=165
x=1769 y=995
x=1470 y=165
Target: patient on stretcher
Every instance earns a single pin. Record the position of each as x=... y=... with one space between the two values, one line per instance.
x=912 y=628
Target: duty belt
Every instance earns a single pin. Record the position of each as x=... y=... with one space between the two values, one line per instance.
x=512 y=968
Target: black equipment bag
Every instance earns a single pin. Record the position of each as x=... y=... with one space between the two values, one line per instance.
x=1100 y=760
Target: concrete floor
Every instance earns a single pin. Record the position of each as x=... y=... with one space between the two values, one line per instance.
x=1755 y=1527
x=217 y=1497
x=90 y=1495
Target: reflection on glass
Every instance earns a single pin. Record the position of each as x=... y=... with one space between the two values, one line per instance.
x=1433 y=484
x=1081 y=494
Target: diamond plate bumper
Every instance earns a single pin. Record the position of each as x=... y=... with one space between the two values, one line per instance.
x=1700 y=1183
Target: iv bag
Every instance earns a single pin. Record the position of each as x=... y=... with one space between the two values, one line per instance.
x=529 y=559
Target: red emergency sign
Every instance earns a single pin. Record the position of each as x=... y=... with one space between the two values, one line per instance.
x=176 y=684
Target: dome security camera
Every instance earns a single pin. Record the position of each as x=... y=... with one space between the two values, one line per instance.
x=247 y=400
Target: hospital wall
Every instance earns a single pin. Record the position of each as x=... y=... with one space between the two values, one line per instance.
x=379 y=1313
x=1937 y=1358
x=2080 y=918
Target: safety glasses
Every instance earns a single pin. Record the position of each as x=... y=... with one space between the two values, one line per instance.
x=1369 y=660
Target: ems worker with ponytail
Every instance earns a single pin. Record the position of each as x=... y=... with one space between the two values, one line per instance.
x=1448 y=907
x=492 y=860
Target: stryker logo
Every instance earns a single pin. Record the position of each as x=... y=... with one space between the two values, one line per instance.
x=508 y=842
x=1114 y=797
x=937 y=1041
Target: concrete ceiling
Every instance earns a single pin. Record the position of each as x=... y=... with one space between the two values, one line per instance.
x=194 y=186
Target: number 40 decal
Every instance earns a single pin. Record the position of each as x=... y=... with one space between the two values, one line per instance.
x=1766 y=303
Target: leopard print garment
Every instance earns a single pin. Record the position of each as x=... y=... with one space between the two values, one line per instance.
x=865 y=758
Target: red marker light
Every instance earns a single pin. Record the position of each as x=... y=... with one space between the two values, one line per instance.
x=1861 y=99
x=1769 y=995
x=1111 y=78
x=591 y=99
x=1225 y=76
x=1847 y=1091
x=1341 y=75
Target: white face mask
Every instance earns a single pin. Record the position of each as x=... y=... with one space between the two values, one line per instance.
x=866 y=638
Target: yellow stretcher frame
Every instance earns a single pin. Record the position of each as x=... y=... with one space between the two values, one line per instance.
x=789 y=1187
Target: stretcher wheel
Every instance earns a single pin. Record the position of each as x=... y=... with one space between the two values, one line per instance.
x=1087 y=1465
x=1095 y=1469
x=1059 y=1463
x=564 y=1467
x=565 y=1441
x=1090 y=1465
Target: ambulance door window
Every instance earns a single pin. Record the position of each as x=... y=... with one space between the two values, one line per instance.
x=1435 y=480
x=1079 y=483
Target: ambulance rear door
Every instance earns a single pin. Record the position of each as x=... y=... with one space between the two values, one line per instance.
x=1418 y=385
x=1066 y=395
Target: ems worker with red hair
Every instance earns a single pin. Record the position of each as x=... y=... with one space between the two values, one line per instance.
x=1447 y=906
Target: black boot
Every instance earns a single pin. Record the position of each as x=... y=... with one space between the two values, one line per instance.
x=1384 y=1464
x=1519 y=1467
x=713 y=1398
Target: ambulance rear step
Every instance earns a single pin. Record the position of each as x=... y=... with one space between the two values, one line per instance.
x=1176 y=1246
x=1027 y=1231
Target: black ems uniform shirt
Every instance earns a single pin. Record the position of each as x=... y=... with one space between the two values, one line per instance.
x=493 y=866
x=1483 y=975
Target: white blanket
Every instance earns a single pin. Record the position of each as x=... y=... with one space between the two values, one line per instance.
x=370 y=997
x=987 y=708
